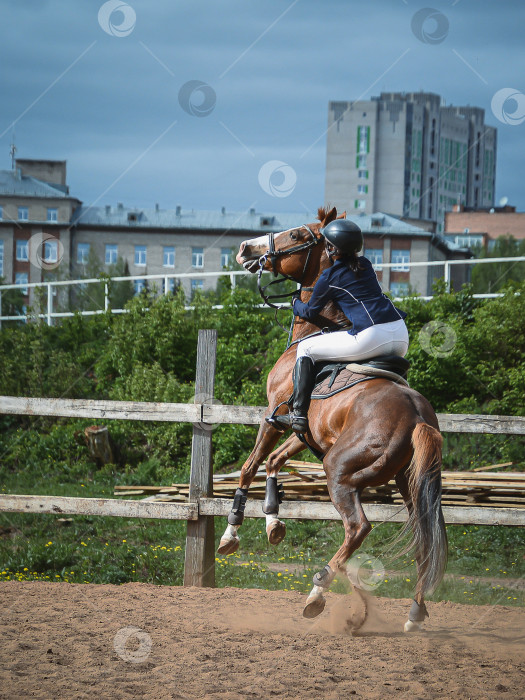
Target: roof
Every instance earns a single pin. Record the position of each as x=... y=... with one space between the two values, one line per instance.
x=448 y=246
x=247 y=220
x=14 y=184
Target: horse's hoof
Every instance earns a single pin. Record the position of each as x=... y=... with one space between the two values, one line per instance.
x=315 y=607
x=228 y=545
x=276 y=531
x=413 y=626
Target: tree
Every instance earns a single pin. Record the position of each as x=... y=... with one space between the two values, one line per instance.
x=12 y=302
x=120 y=292
x=488 y=278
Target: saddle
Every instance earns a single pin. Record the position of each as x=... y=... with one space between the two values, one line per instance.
x=333 y=377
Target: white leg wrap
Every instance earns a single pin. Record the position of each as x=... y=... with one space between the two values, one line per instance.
x=316 y=592
x=270 y=518
x=231 y=531
x=413 y=626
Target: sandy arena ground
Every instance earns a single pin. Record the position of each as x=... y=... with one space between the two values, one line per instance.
x=141 y=641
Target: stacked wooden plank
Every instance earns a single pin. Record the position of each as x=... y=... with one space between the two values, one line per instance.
x=305 y=481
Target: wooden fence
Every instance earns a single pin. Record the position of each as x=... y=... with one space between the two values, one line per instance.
x=201 y=508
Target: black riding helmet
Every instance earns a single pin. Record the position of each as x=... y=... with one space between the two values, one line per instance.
x=344 y=235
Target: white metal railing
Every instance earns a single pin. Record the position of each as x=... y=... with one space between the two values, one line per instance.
x=232 y=274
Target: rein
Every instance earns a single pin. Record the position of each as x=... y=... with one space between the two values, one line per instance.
x=272 y=255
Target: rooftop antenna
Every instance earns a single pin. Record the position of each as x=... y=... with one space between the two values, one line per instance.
x=12 y=152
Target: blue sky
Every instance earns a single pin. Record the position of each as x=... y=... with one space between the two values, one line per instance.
x=104 y=95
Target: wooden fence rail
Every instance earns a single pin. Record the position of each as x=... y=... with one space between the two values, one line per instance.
x=218 y=414
x=201 y=509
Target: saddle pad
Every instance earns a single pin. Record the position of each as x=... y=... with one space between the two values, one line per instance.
x=344 y=380
x=377 y=372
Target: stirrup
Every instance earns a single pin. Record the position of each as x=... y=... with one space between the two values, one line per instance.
x=274 y=421
x=299 y=424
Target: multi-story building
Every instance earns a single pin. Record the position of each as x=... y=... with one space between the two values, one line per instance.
x=36 y=210
x=408 y=155
x=481 y=227
x=172 y=242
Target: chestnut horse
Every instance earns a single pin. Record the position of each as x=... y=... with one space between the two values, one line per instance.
x=371 y=433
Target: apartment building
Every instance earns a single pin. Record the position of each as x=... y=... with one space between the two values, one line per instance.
x=467 y=226
x=36 y=210
x=409 y=155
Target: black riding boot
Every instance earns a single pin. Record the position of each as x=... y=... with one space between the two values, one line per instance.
x=303 y=384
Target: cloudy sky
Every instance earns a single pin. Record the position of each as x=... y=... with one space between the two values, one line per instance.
x=184 y=101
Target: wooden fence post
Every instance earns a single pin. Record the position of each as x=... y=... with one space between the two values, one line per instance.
x=199 y=563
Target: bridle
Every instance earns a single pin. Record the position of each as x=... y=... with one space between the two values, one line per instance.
x=272 y=255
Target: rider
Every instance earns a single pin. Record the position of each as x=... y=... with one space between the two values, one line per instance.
x=378 y=327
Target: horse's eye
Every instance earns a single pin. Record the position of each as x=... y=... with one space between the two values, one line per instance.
x=293 y=236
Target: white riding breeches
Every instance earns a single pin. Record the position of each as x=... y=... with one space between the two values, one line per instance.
x=381 y=339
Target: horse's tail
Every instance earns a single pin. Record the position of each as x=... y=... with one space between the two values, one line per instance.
x=429 y=536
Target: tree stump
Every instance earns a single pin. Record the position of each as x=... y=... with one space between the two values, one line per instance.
x=99 y=444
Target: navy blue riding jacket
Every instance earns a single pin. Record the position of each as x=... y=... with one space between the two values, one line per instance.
x=357 y=294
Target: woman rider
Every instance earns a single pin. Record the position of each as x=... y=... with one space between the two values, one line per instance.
x=378 y=327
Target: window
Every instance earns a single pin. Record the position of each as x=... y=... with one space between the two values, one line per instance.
x=140 y=255
x=361 y=161
x=50 y=251
x=111 y=253
x=363 y=139
x=361 y=204
x=22 y=278
x=362 y=189
x=467 y=241
x=23 y=214
x=399 y=289
x=225 y=257
x=139 y=286
x=1 y=258
x=82 y=253
x=169 y=256
x=400 y=259
x=197 y=257
x=197 y=285
x=22 y=250
x=375 y=255
x=1 y=213
x=362 y=174
x=52 y=214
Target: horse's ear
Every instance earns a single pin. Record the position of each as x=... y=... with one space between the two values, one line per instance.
x=342 y=216
x=325 y=216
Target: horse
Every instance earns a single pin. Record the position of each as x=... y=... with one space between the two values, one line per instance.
x=370 y=433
